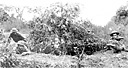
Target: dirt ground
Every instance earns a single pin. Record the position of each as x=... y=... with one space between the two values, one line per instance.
x=99 y=60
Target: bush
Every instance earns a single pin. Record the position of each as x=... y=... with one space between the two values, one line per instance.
x=69 y=32
x=9 y=62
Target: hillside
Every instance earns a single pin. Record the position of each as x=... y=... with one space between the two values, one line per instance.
x=99 y=60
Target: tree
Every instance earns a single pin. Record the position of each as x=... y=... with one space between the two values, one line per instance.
x=3 y=16
x=60 y=21
x=121 y=16
x=19 y=11
x=50 y=19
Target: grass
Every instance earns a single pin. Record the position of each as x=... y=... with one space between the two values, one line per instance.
x=99 y=60
x=38 y=60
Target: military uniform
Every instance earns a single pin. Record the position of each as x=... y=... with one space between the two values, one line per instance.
x=18 y=42
x=115 y=42
x=16 y=36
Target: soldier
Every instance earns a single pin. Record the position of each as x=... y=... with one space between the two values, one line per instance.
x=116 y=43
x=17 y=38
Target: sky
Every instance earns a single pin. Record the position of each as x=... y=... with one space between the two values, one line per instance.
x=99 y=12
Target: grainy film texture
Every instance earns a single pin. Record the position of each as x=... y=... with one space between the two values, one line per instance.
x=62 y=34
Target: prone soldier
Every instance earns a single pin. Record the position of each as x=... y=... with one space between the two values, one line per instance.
x=17 y=39
x=115 y=43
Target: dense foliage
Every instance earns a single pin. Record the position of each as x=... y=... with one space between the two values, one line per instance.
x=58 y=31
x=66 y=28
x=3 y=16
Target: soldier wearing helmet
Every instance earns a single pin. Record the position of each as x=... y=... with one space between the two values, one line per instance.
x=115 y=35
x=115 y=42
x=16 y=36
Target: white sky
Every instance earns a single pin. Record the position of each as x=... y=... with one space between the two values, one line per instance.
x=99 y=12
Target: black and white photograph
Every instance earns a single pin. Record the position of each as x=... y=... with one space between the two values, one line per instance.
x=63 y=33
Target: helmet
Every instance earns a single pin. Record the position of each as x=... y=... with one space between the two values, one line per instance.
x=14 y=30
x=114 y=32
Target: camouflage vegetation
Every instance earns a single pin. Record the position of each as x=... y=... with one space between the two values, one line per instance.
x=59 y=21
x=50 y=26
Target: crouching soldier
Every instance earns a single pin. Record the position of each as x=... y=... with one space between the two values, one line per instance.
x=115 y=43
x=17 y=38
